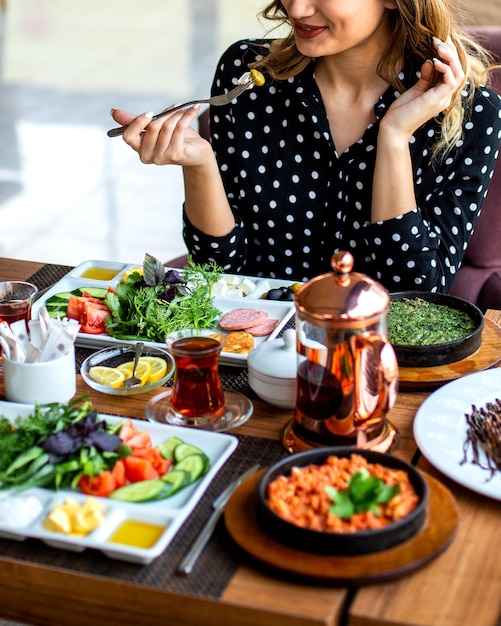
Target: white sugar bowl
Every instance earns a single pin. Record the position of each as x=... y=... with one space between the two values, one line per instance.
x=273 y=369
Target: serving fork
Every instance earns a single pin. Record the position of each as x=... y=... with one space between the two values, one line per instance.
x=244 y=83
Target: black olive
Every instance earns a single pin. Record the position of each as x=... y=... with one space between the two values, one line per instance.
x=274 y=294
x=287 y=295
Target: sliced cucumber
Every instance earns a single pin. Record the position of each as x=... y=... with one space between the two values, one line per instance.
x=175 y=480
x=185 y=449
x=167 y=447
x=61 y=297
x=56 y=310
x=195 y=464
x=95 y=292
x=139 y=492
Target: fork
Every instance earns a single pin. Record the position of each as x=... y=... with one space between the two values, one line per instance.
x=133 y=380
x=217 y=101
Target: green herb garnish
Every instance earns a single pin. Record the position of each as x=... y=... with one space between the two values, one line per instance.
x=160 y=301
x=364 y=493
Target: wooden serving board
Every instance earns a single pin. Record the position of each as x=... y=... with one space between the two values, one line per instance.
x=433 y=538
x=488 y=355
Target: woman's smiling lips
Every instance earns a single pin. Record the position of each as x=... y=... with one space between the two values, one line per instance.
x=308 y=31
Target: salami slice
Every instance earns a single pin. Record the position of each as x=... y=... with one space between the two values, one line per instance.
x=263 y=329
x=241 y=319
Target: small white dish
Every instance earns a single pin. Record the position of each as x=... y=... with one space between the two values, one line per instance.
x=273 y=370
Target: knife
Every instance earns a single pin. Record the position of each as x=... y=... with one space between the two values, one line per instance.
x=191 y=557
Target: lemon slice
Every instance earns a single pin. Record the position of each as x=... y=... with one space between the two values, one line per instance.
x=158 y=367
x=142 y=371
x=109 y=376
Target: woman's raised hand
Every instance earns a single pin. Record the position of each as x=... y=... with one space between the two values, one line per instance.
x=440 y=78
x=167 y=140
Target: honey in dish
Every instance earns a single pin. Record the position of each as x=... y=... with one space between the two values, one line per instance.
x=137 y=534
x=99 y=273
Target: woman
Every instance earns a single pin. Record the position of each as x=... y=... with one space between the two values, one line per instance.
x=371 y=134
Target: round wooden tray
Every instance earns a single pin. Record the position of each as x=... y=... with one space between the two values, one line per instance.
x=434 y=537
x=488 y=355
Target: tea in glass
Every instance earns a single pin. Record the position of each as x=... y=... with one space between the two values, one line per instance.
x=197 y=389
x=16 y=299
x=197 y=398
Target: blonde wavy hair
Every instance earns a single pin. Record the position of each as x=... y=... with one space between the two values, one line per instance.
x=413 y=24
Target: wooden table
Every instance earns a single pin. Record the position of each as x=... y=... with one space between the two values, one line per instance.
x=460 y=587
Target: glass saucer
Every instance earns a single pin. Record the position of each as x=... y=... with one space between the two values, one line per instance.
x=237 y=410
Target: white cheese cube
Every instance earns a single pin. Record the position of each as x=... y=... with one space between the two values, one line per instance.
x=246 y=285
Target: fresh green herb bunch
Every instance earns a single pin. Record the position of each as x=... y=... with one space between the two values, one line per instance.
x=364 y=493
x=152 y=305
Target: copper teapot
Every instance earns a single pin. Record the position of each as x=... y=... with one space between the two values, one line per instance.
x=347 y=372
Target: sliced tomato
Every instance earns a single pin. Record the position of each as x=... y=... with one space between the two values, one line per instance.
x=137 y=469
x=101 y=485
x=139 y=440
x=153 y=455
x=118 y=473
x=92 y=318
x=133 y=437
x=127 y=430
x=75 y=308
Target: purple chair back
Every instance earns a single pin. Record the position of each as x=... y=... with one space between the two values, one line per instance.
x=479 y=278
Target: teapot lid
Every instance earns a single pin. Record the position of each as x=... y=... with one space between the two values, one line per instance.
x=342 y=294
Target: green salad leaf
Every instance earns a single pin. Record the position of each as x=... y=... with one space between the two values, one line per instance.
x=151 y=305
x=364 y=493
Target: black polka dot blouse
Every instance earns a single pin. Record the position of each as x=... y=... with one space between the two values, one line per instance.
x=296 y=201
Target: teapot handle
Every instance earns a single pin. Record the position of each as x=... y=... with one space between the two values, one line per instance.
x=376 y=378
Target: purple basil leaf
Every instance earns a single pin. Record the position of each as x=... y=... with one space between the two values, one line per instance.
x=61 y=444
x=153 y=270
x=173 y=277
x=105 y=441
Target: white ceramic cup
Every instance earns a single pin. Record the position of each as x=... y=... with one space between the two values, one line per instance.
x=50 y=381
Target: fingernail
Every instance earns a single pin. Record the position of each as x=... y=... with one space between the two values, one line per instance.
x=148 y=114
x=112 y=111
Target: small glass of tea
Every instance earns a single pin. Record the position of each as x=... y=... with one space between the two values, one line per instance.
x=16 y=299
x=197 y=398
x=197 y=390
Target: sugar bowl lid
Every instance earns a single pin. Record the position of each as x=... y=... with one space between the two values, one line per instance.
x=276 y=358
x=342 y=294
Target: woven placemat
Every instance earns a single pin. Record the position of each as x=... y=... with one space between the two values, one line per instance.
x=216 y=565
x=48 y=275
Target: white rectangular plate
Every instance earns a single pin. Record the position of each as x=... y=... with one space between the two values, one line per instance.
x=276 y=309
x=171 y=512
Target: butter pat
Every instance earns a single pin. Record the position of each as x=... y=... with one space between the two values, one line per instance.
x=73 y=518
